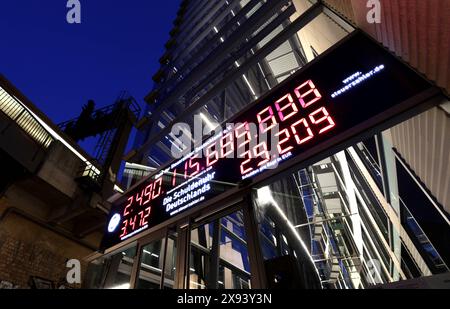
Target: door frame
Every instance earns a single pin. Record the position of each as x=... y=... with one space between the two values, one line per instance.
x=257 y=271
x=182 y=228
x=161 y=234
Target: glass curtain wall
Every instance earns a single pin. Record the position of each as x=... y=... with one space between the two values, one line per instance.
x=157 y=265
x=355 y=237
x=112 y=272
x=245 y=54
x=219 y=255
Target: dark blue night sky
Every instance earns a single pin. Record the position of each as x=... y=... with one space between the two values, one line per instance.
x=60 y=66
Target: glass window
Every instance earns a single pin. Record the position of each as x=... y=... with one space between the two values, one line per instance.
x=284 y=243
x=219 y=256
x=151 y=266
x=332 y=225
x=111 y=272
x=156 y=257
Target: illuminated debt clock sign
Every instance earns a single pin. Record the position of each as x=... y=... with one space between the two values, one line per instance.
x=351 y=88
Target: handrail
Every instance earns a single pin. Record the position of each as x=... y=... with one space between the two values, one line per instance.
x=24 y=119
x=423 y=236
x=18 y=113
x=123 y=97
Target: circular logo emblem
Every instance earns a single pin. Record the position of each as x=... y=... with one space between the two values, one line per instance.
x=113 y=223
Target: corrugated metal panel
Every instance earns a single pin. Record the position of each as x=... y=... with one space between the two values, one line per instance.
x=416 y=30
x=344 y=7
x=424 y=143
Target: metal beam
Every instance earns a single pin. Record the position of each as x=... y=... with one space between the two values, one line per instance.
x=241 y=52
x=255 y=21
x=222 y=32
x=293 y=28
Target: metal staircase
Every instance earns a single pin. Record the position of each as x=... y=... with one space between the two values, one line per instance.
x=109 y=122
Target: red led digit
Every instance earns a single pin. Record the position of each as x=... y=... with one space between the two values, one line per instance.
x=210 y=154
x=186 y=169
x=289 y=106
x=157 y=188
x=174 y=177
x=304 y=123
x=141 y=216
x=243 y=137
x=226 y=145
x=144 y=215
x=270 y=116
x=124 y=229
x=243 y=169
x=130 y=202
x=133 y=223
x=148 y=193
x=302 y=94
x=139 y=197
x=241 y=131
x=195 y=166
x=325 y=118
x=260 y=150
x=284 y=140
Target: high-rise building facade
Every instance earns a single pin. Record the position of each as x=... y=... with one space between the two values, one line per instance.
x=365 y=206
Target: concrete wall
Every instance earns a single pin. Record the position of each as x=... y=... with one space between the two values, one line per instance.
x=60 y=168
x=28 y=247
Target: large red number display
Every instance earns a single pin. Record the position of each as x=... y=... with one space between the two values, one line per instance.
x=299 y=129
x=137 y=210
x=318 y=109
x=299 y=116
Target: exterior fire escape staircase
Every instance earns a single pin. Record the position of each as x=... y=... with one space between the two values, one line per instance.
x=113 y=123
x=319 y=194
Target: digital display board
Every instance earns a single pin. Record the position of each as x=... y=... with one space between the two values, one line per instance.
x=355 y=81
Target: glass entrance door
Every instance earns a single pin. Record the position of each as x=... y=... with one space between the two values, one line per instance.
x=157 y=262
x=218 y=254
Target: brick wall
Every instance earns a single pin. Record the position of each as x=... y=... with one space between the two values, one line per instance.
x=22 y=258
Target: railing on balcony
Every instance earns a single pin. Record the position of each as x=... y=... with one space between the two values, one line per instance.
x=17 y=112
x=12 y=108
